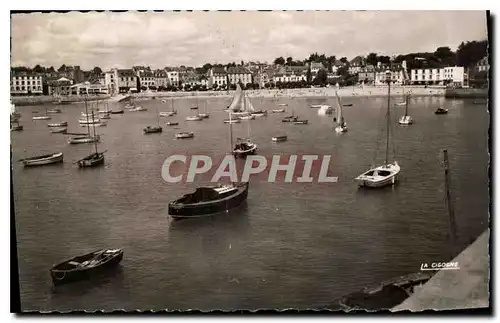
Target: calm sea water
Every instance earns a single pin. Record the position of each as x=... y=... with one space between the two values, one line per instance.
x=292 y=245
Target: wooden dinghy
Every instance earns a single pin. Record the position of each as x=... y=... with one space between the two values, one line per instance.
x=43 y=160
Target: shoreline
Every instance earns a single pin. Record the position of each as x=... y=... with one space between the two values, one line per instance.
x=344 y=92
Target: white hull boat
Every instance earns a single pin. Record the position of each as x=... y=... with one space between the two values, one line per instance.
x=249 y=117
x=43 y=160
x=405 y=120
x=98 y=124
x=168 y=114
x=138 y=109
x=341 y=129
x=232 y=121
x=279 y=138
x=194 y=118
x=379 y=176
x=83 y=139
x=278 y=110
x=61 y=124
x=42 y=118
x=184 y=135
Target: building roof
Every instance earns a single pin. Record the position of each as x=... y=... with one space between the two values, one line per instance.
x=238 y=70
x=126 y=72
x=357 y=61
x=315 y=65
x=218 y=70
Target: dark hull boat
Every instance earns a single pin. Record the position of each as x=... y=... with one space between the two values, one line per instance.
x=150 y=129
x=290 y=119
x=441 y=111
x=243 y=149
x=208 y=201
x=121 y=111
x=93 y=160
x=86 y=266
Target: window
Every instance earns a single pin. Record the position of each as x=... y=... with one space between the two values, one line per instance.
x=17 y=88
x=22 y=82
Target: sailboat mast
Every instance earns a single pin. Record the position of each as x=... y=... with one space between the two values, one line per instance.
x=87 y=116
x=230 y=132
x=95 y=138
x=388 y=119
x=406 y=105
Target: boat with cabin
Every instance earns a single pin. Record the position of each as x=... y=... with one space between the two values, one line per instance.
x=441 y=110
x=184 y=135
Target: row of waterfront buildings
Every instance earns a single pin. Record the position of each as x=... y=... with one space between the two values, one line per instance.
x=139 y=78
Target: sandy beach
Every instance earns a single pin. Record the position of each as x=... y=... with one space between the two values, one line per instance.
x=356 y=91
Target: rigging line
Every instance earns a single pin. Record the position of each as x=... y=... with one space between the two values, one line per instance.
x=380 y=132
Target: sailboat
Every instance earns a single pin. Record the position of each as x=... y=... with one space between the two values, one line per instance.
x=210 y=200
x=244 y=146
x=237 y=106
x=402 y=104
x=94 y=159
x=385 y=174
x=204 y=115
x=45 y=117
x=169 y=113
x=154 y=129
x=291 y=118
x=406 y=119
x=341 y=124
x=85 y=138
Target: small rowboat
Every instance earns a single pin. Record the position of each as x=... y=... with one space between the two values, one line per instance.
x=89 y=121
x=283 y=104
x=60 y=124
x=168 y=113
x=259 y=113
x=204 y=115
x=279 y=138
x=347 y=105
x=86 y=266
x=301 y=122
x=194 y=108
x=42 y=118
x=194 y=118
x=232 y=121
x=83 y=139
x=59 y=130
x=56 y=110
x=278 y=110
x=184 y=135
x=316 y=106
x=136 y=109
x=96 y=124
x=43 y=160
x=152 y=129
x=172 y=123
x=119 y=111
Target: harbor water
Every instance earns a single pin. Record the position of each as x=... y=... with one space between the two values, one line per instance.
x=292 y=245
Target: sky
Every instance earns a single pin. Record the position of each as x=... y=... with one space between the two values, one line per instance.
x=162 y=39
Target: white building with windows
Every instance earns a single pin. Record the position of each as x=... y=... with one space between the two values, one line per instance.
x=217 y=75
x=239 y=74
x=26 y=84
x=173 y=77
x=454 y=75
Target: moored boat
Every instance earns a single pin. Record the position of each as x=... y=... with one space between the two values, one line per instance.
x=341 y=126
x=209 y=200
x=441 y=110
x=86 y=266
x=301 y=122
x=59 y=130
x=55 y=110
x=232 y=121
x=247 y=117
x=117 y=111
x=194 y=118
x=184 y=135
x=43 y=160
x=137 y=109
x=152 y=129
x=347 y=105
x=244 y=147
x=91 y=160
x=60 y=124
x=172 y=123
x=278 y=110
x=279 y=138
x=16 y=126
x=316 y=106
x=83 y=139
x=42 y=118
x=167 y=113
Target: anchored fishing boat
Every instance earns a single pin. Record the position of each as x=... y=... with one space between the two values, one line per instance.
x=244 y=146
x=209 y=200
x=53 y=158
x=154 y=129
x=170 y=113
x=441 y=110
x=406 y=119
x=86 y=266
x=45 y=117
x=387 y=173
x=55 y=110
x=88 y=138
x=184 y=135
x=339 y=120
x=194 y=118
x=60 y=124
x=172 y=123
x=204 y=114
x=278 y=110
x=94 y=159
x=117 y=111
x=290 y=119
x=301 y=122
x=232 y=121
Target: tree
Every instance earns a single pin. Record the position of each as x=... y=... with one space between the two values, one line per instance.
x=138 y=84
x=384 y=59
x=279 y=61
x=309 y=74
x=38 y=69
x=330 y=61
x=289 y=61
x=321 y=78
x=344 y=60
x=62 y=68
x=51 y=69
x=372 y=59
x=470 y=53
x=97 y=70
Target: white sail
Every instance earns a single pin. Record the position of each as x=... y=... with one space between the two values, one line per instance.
x=248 y=105
x=340 y=118
x=236 y=104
